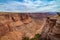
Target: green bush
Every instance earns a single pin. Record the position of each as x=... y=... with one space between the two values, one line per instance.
x=32 y=39
x=25 y=38
x=36 y=37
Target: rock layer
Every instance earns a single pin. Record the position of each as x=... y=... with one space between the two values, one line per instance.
x=13 y=26
x=8 y=23
x=51 y=31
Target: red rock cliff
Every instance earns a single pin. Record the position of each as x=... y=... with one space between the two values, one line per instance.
x=51 y=31
x=8 y=23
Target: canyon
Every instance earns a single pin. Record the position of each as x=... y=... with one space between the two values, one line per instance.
x=14 y=26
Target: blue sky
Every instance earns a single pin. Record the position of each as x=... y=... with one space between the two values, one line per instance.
x=29 y=5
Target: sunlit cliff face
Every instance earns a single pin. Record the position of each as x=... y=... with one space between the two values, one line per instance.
x=29 y=5
x=10 y=23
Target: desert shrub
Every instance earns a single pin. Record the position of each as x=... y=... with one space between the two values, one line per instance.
x=36 y=37
x=25 y=38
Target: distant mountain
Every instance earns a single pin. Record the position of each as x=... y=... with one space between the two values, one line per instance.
x=41 y=15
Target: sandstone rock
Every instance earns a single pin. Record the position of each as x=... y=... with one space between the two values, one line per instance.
x=53 y=32
x=8 y=23
x=15 y=35
x=3 y=29
x=18 y=25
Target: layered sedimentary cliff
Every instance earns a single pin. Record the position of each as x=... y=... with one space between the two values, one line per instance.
x=51 y=30
x=9 y=24
x=13 y=26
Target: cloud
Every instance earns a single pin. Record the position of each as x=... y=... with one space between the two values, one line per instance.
x=30 y=6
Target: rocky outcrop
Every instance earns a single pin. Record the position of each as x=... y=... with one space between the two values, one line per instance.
x=8 y=23
x=14 y=35
x=51 y=31
x=13 y=26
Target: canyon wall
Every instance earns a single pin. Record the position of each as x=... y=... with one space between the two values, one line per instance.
x=14 y=26
x=9 y=24
x=51 y=30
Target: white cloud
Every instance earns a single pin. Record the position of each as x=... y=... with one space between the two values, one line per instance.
x=29 y=6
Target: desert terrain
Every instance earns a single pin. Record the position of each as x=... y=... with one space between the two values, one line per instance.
x=15 y=26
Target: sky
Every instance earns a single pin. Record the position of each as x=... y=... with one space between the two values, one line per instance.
x=29 y=5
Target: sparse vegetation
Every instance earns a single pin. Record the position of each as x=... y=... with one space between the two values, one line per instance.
x=36 y=37
x=25 y=38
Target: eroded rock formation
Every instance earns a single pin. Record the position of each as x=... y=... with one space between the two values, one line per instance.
x=51 y=31
x=13 y=26
x=8 y=23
